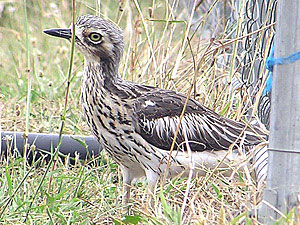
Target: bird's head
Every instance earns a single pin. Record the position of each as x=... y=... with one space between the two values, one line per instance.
x=96 y=38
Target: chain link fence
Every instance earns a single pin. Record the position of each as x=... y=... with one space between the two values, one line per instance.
x=257 y=30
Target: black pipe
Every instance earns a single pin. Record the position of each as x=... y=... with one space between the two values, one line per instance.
x=12 y=143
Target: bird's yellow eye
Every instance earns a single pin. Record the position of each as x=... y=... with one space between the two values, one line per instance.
x=95 y=37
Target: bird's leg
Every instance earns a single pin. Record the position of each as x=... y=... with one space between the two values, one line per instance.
x=151 y=187
x=127 y=179
x=126 y=194
x=152 y=179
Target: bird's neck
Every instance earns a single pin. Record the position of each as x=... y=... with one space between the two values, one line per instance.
x=101 y=73
x=103 y=78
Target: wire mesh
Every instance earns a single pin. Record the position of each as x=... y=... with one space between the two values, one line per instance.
x=255 y=48
x=257 y=28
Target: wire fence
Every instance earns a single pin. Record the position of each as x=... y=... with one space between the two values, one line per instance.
x=258 y=15
x=257 y=18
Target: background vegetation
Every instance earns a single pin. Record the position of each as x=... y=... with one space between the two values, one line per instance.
x=33 y=73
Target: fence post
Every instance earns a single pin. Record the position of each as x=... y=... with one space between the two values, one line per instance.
x=283 y=180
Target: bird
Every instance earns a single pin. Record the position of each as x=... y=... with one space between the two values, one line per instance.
x=136 y=124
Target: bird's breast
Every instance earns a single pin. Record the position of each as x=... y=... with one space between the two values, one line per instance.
x=106 y=114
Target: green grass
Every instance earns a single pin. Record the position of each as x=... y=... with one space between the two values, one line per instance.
x=90 y=192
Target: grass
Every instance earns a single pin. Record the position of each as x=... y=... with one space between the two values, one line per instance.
x=33 y=76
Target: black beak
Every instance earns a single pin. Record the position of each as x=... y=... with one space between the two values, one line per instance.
x=58 y=32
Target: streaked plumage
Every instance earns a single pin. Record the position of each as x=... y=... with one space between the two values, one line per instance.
x=260 y=166
x=136 y=123
x=264 y=109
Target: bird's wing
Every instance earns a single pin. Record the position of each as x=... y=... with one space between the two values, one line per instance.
x=158 y=116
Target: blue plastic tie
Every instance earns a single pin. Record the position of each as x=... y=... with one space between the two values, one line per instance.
x=278 y=61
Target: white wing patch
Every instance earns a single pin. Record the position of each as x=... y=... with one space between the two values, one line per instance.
x=197 y=128
x=166 y=127
x=148 y=103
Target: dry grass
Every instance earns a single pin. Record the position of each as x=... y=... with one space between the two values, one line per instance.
x=157 y=53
